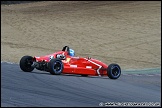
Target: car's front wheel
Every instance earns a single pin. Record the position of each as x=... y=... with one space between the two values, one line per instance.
x=114 y=71
x=84 y=75
x=55 y=66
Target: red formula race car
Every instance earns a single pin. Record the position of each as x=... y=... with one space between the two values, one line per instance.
x=64 y=62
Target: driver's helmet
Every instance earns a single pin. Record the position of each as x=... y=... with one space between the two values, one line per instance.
x=71 y=52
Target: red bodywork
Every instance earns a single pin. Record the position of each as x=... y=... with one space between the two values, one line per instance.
x=78 y=65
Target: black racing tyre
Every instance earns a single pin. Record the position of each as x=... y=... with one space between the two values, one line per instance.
x=114 y=71
x=55 y=66
x=25 y=63
x=84 y=75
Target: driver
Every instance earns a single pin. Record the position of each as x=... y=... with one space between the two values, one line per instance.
x=62 y=56
x=71 y=52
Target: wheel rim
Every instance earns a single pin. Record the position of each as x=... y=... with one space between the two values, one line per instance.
x=57 y=66
x=28 y=63
x=115 y=71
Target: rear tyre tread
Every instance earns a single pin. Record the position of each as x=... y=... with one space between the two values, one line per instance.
x=25 y=63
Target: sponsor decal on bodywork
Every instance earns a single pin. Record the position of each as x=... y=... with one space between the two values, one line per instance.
x=73 y=66
x=89 y=67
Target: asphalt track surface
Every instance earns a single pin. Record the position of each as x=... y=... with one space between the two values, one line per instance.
x=40 y=88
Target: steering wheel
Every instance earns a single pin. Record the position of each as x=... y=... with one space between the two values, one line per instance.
x=66 y=48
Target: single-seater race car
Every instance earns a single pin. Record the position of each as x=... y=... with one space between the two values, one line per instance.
x=65 y=62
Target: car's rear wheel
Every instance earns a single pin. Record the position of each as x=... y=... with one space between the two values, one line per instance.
x=55 y=66
x=114 y=71
x=25 y=63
